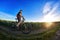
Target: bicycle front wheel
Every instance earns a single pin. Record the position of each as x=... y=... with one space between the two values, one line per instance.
x=25 y=29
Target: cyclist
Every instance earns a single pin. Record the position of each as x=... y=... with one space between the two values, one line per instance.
x=20 y=18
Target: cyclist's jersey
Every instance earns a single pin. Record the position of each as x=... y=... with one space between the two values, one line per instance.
x=19 y=17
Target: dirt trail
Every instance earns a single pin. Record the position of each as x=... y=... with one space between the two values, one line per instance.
x=8 y=32
x=19 y=32
x=14 y=33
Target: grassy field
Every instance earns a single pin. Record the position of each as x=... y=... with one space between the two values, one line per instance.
x=46 y=35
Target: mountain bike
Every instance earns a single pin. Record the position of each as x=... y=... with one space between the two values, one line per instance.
x=25 y=28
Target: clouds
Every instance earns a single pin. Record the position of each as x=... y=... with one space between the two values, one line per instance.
x=50 y=13
x=47 y=8
x=6 y=16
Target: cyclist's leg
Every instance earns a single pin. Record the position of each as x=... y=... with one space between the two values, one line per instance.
x=19 y=23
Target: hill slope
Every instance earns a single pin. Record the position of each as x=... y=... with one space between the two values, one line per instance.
x=38 y=32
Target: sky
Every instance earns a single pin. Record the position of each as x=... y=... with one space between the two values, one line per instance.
x=33 y=10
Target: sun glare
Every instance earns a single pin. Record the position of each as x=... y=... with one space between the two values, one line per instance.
x=49 y=19
x=48 y=24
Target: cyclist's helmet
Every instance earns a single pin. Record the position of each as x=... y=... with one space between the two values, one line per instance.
x=20 y=10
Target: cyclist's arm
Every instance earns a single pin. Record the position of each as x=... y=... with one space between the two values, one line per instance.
x=23 y=18
x=16 y=16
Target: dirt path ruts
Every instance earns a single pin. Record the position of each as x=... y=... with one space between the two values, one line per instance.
x=19 y=32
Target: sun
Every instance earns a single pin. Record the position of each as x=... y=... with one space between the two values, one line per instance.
x=49 y=19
